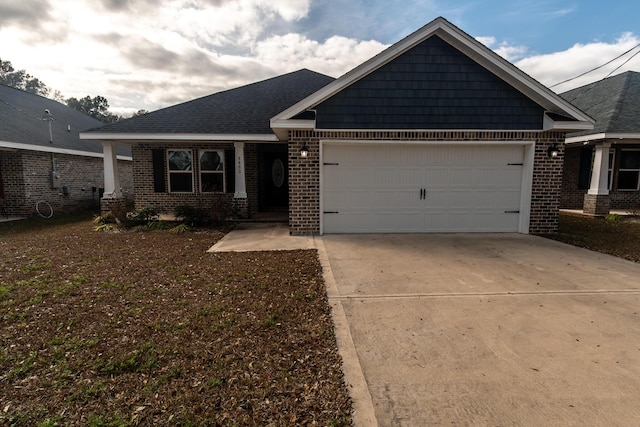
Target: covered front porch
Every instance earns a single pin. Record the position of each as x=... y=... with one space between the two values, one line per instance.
x=238 y=180
x=604 y=172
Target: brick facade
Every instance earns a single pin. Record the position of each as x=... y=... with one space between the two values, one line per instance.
x=222 y=205
x=26 y=177
x=304 y=174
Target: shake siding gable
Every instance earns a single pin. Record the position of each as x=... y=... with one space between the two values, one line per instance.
x=431 y=86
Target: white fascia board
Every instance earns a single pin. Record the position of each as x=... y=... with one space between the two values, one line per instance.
x=135 y=137
x=621 y=137
x=460 y=40
x=297 y=124
x=281 y=127
x=13 y=146
x=550 y=124
x=429 y=130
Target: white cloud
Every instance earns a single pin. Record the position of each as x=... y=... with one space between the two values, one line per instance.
x=334 y=57
x=555 y=67
x=153 y=53
x=508 y=51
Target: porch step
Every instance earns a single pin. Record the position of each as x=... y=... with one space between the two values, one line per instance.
x=273 y=217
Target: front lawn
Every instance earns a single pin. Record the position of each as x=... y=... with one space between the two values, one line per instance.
x=131 y=328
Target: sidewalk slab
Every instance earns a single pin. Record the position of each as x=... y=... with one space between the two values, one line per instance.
x=248 y=237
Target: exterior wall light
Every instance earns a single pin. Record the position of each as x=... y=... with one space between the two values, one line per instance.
x=553 y=151
x=304 y=151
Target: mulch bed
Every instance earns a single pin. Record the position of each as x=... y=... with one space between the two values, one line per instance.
x=618 y=236
x=146 y=328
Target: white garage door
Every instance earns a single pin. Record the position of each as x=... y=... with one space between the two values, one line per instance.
x=399 y=188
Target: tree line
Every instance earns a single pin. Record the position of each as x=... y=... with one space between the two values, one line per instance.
x=96 y=107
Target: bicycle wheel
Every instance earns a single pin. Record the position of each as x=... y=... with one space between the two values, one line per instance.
x=44 y=209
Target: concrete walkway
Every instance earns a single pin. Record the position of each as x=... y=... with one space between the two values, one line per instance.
x=261 y=237
x=480 y=329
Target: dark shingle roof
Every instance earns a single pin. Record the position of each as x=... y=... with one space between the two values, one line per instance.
x=613 y=102
x=21 y=122
x=244 y=110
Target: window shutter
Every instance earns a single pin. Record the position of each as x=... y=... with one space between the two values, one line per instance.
x=230 y=170
x=159 y=168
x=584 y=175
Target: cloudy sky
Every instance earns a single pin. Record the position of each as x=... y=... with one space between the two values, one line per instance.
x=148 y=54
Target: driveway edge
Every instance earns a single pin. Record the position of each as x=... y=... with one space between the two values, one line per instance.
x=363 y=412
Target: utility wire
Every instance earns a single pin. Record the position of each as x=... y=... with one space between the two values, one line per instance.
x=600 y=66
x=616 y=69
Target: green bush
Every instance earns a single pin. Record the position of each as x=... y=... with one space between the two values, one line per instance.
x=193 y=217
x=143 y=216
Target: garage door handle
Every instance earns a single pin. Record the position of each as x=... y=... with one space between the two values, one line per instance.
x=512 y=212
x=423 y=194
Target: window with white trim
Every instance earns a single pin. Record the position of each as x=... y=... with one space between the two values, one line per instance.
x=212 y=171
x=629 y=172
x=180 y=165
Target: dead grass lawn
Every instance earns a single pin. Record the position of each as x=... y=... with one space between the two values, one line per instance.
x=126 y=328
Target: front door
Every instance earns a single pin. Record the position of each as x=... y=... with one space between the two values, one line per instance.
x=274 y=183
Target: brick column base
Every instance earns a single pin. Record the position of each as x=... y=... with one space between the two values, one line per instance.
x=597 y=205
x=118 y=207
x=241 y=208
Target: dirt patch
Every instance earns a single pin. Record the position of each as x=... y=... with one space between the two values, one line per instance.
x=104 y=328
x=618 y=236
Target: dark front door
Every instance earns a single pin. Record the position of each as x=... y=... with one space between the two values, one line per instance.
x=274 y=183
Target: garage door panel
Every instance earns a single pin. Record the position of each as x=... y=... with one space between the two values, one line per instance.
x=422 y=188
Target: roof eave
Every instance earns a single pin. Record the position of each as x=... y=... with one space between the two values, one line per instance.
x=582 y=139
x=566 y=125
x=281 y=127
x=15 y=146
x=133 y=137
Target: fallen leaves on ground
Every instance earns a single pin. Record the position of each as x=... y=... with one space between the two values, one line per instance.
x=126 y=328
x=619 y=236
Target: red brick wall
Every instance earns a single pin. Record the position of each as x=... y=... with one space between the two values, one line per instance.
x=26 y=179
x=304 y=174
x=222 y=204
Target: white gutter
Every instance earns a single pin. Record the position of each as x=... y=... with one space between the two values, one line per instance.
x=12 y=146
x=602 y=136
x=177 y=137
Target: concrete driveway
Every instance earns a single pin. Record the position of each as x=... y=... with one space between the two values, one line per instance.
x=484 y=329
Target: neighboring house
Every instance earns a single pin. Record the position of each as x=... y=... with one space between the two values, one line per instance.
x=435 y=134
x=602 y=166
x=43 y=159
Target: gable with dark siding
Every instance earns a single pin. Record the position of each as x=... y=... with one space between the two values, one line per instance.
x=431 y=86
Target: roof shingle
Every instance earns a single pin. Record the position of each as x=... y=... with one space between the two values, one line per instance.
x=613 y=102
x=243 y=110
x=21 y=121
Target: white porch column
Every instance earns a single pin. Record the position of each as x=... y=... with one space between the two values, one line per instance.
x=599 y=177
x=111 y=176
x=241 y=186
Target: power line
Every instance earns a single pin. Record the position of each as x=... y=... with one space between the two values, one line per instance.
x=600 y=66
x=617 y=68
